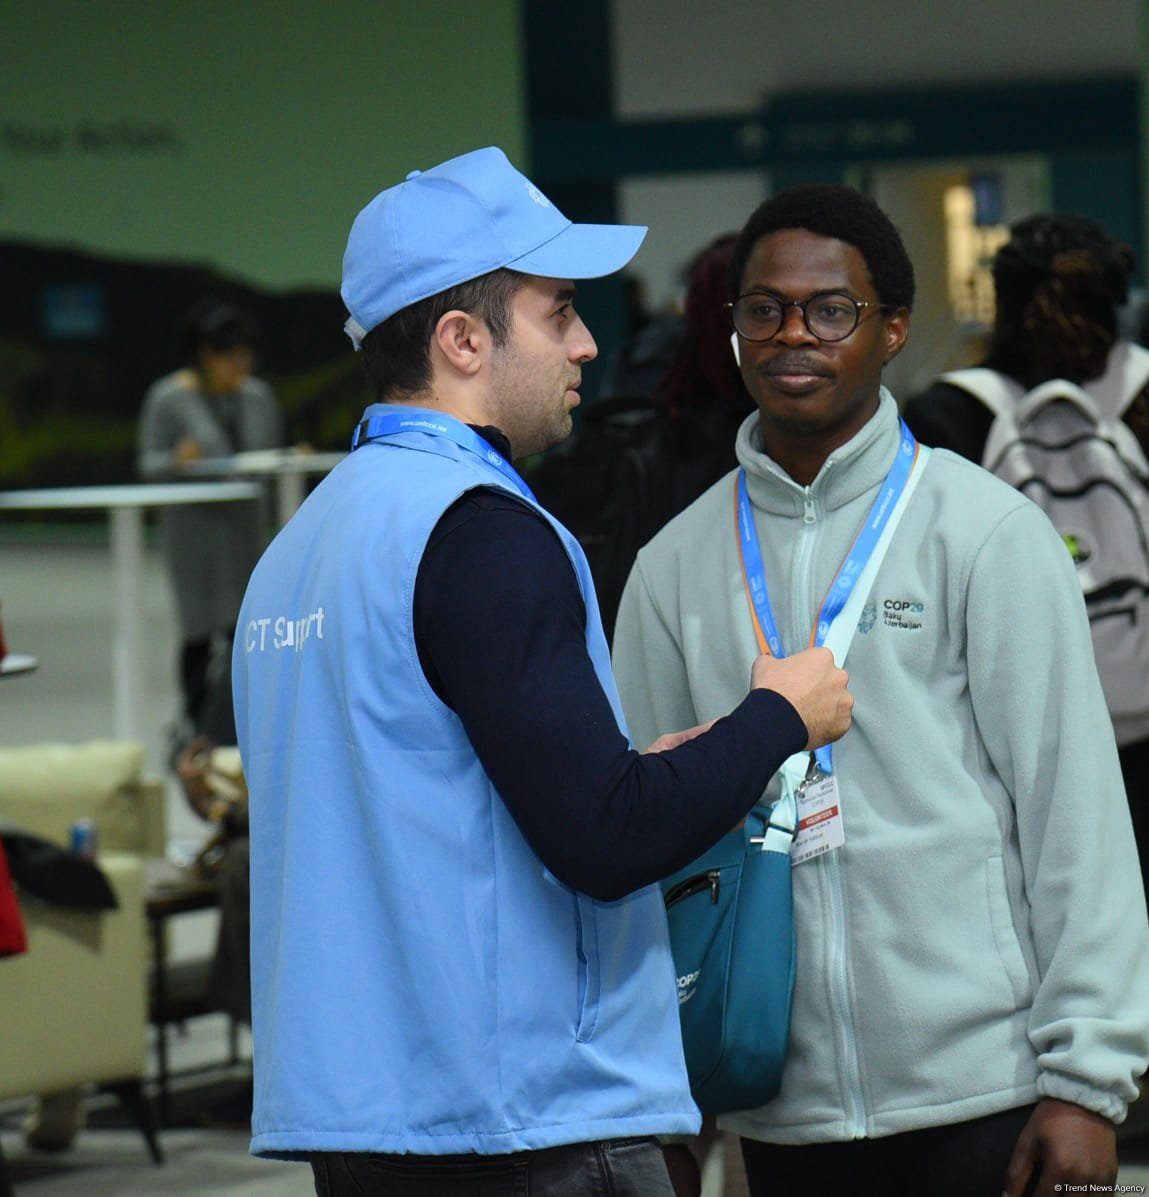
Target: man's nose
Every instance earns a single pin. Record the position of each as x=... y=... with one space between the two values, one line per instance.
x=582 y=347
x=794 y=329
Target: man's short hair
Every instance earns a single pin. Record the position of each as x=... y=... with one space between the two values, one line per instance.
x=397 y=353
x=831 y=210
x=216 y=326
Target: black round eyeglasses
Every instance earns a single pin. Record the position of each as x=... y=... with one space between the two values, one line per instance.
x=829 y=315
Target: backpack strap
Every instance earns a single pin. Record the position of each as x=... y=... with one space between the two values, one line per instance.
x=1060 y=389
x=1126 y=376
x=1013 y=407
x=997 y=391
x=1002 y=395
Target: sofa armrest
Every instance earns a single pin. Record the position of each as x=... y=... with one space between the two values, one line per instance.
x=45 y=788
x=151 y=817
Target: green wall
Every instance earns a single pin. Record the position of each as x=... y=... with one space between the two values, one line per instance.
x=242 y=135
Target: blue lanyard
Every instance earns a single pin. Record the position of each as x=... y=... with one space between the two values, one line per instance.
x=766 y=626
x=393 y=423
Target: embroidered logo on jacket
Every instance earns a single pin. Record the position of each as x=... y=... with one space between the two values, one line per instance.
x=903 y=614
x=906 y=615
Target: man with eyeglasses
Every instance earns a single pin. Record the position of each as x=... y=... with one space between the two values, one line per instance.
x=971 y=1014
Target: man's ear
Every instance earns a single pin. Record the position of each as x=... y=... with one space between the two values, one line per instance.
x=462 y=340
x=897 y=329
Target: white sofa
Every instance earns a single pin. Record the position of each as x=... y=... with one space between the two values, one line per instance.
x=74 y=1008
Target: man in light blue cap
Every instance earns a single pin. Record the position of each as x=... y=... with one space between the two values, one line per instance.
x=461 y=975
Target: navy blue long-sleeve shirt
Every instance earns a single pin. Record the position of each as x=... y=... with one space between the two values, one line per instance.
x=500 y=628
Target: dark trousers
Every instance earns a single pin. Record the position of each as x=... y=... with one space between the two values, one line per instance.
x=1135 y=771
x=966 y=1159
x=614 y=1168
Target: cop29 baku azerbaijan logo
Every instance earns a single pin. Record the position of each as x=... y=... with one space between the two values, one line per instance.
x=868 y=618
x=904 y=614
x=687 y=984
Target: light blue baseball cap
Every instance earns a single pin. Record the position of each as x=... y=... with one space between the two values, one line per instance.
x=457 y=221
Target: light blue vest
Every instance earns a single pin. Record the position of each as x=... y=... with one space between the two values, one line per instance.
x=421 y=983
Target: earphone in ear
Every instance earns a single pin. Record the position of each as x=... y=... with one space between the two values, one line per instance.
x=734 y=346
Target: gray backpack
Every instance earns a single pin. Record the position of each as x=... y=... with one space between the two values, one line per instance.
x=1066 y=448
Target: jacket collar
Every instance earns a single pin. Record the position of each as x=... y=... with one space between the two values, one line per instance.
x=850 y=471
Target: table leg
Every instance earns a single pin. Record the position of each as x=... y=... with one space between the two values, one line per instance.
x=127 y=640
x=159 y=1015
x=5 y=1183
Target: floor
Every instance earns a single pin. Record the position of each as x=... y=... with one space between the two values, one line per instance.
x=55 y=600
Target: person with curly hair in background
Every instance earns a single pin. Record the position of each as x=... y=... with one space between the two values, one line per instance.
x=1060 y=282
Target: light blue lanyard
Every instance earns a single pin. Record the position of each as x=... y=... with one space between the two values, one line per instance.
x=770 y=640
x=393 y=423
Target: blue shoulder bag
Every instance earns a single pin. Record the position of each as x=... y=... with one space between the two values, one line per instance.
x=731 y=911
x=732 y=929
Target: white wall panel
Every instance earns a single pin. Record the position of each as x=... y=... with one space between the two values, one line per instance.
x=725 y=55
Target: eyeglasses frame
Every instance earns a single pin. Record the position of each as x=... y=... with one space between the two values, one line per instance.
x=800 y=304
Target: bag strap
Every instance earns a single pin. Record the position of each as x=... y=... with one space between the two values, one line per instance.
x=1013 y=408
x=996 y=390
x=1126 y=376
x=1103 y=402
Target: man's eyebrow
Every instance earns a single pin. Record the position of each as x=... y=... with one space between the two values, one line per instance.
x=775 y=293
x=564 y=294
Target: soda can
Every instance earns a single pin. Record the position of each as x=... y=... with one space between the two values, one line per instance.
x=84 y=838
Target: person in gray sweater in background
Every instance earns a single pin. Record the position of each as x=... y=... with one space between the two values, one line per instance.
x=971 y=1014
x=211 y=408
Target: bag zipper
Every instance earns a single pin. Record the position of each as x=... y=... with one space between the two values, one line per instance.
x=710 y=880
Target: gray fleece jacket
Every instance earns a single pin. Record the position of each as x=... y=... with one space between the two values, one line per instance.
x=980 y=940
